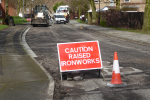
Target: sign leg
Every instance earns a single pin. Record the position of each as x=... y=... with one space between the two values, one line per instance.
x=99 y=73
x=61 y=76
x=102 y=73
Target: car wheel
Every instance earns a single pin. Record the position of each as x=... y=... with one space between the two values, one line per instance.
x=34 y=25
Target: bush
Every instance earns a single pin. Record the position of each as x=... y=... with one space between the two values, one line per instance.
x=103 y=23
x=16 y=17
x=80 y=21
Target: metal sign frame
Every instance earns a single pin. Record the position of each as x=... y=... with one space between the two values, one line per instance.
x=95 y=53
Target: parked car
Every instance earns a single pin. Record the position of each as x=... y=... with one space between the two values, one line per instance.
x=86 y=20
x=60 y=19
x=81 y=17
x=28 y=15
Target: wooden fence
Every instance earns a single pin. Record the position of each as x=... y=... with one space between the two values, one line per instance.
x=73 y=15
x=128 y=20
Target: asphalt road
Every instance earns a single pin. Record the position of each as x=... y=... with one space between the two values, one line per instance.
x=134 y=61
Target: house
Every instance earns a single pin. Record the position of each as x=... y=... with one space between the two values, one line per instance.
x=133 y=5
x=125 y=5
x=104 y=4
x=2 y=7
x=106 y=8
x=11 y=9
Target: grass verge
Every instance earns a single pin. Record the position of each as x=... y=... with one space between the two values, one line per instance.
x=3 y=26
x=80 y=21
x=19 y=20
x=130 y=30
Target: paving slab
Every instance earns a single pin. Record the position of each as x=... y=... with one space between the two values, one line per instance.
x=21 y=78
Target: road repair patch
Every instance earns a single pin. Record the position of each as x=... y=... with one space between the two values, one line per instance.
x=127 y=70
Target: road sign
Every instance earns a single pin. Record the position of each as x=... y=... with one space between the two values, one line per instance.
x=79 y=56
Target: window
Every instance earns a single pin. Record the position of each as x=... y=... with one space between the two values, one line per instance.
x=0 y=1
x=0 y=13
x=111 y=3
x=59 y=16
x=96 y=1
x=27 y=9
x=126 y=0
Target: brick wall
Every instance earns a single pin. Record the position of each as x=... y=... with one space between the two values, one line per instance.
x=2 y=9
x=11 y=11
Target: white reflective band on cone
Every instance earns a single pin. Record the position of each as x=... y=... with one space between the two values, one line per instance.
x=116 y=66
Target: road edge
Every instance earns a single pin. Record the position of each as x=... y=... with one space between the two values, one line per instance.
x=50 y=91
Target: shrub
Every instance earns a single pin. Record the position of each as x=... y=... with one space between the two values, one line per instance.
x=16 y=17
x=103 y=23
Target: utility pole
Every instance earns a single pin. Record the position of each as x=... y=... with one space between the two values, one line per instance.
x=23 y=10
x=31 y=7
x=99 y=13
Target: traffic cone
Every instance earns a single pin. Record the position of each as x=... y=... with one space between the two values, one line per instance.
x=116 y=77
x=1 y=22
x=81 y=26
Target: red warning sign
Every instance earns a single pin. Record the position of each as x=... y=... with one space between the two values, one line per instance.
x=79 y=56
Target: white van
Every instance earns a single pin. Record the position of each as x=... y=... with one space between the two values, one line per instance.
x=60 y=18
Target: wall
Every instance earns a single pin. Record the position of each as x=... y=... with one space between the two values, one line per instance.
x=2 y=9
x=11 y=11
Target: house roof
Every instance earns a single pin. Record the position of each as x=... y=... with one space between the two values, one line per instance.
x=111 y=7
x=130 y=9
x=104 y=9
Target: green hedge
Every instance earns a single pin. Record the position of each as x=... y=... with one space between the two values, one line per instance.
x=103 y=23
x=19 y=20
x=17 y=17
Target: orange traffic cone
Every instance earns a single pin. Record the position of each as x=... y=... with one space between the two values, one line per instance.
x=1 y=22
x=81 y=26
x=116 y=77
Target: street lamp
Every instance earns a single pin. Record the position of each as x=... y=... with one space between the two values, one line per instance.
x=31 y=7
x=99 y=13
x=23 y=10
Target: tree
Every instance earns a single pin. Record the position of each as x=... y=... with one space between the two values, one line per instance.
x=94 y=18
x=117 y=4
x=80 y=6
x=146 y=22
x=18 y=4
x=57 y=5
x=92 y=3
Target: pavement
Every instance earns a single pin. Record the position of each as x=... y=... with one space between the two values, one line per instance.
x=130 y=36
x=22 y=78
